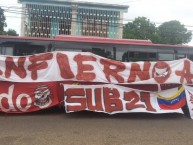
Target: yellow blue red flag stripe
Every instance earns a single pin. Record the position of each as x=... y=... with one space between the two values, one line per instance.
x=175 y=102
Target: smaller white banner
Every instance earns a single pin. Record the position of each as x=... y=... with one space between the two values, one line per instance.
x=189 y=99
x=114 y=99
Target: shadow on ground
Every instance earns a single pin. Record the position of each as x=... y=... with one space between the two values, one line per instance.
x=95 y=115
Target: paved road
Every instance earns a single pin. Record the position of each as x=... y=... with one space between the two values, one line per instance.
x=54 y=127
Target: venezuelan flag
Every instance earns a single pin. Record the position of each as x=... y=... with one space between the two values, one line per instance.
x=174 y=102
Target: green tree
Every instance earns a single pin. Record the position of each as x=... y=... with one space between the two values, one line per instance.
x=140 y=28
x=11 y=32
x=2 y=21
x=173 y=32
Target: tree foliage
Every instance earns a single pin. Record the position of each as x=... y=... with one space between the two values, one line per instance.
x=3 y=24
x=11 y=32
x=173 y=32
x=140 y=28
x=2 y=21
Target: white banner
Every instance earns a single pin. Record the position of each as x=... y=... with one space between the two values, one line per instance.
x=189 y=99
x=113 y=99
x=87 y=67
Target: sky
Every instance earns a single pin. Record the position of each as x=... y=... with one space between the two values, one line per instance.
x=157 y=11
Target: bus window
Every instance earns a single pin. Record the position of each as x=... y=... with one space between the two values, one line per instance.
x=86 y=50
x=152 y=56
x=125 y=57
x=131 y=54
x=102 y=52
x=180 y=56
x=9 y=50
x=142 y=55
x=22 y=50
x=98 y=51
x=165 y=56
x=139 y=56
x=6 y=50
x=120 y=56
x=191 y=57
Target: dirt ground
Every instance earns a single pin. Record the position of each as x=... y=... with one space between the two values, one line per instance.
x=55 y=127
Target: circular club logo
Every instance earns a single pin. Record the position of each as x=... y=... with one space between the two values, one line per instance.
x=42 y=96
x=161 y=72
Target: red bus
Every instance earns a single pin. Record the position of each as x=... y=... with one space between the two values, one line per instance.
x=125 y=50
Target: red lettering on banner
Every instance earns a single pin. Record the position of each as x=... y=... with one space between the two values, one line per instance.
x=106 y=99
x=83 y=69
x=185 y=73
x=145 y=97
x=112 y=100
x=64 y=66
x=109 y=71
x=161 y=72
x=19 y=70
x=191 y=98
x=72 y=98
x=38 y=63
x=133 y=97
x=97 y=101
x=7 y=101
x=1 y=72
x=136 y=71
x=23 y=102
